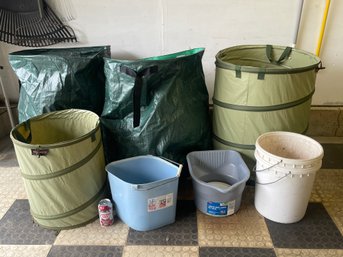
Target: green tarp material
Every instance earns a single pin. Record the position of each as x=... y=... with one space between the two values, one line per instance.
x=258 y=89
x=62 y=162
x=58 y=79
x=156 y=106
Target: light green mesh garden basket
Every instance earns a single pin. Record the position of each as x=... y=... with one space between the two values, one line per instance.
x=61 y=158
x=258 y=89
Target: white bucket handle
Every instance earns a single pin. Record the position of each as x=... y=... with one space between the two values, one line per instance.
x=255 y=170
x=269 y=183
x=175 y=163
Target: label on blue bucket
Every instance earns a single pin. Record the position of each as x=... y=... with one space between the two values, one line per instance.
x=160 y=202
x=221 y=208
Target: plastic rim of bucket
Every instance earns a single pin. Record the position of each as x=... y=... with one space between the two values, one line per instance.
x=149 y=185
x=264 y=165
x=284 y=164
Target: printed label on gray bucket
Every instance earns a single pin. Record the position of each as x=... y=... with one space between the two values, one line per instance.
x=160 y=202
x=221 y=208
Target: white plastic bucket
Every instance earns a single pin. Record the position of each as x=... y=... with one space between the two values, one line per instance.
x=285 y=171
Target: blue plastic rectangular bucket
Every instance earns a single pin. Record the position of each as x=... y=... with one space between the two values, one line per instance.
x=144 y=191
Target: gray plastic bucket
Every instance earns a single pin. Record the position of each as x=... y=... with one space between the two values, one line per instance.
x=144 y=191
x=219 y=179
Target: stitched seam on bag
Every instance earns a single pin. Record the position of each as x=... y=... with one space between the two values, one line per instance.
x=263 y=108
x=228 y=143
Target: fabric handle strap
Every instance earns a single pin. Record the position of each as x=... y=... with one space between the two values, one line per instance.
x=137 y=91
x=283 y=57
x=27 y=138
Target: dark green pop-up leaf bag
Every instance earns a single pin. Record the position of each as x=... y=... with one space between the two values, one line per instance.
x=156 y=106
x=60 y=78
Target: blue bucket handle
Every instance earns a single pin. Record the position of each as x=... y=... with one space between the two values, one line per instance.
x=178 y=173
x=152 y=185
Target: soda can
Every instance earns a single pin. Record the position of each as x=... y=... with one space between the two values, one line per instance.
x=105 y=209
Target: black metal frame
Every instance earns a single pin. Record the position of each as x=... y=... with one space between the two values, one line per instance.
x=32 y=23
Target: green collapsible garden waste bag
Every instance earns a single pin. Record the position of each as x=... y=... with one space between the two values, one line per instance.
x=62 y=163
x=261 y=88
x=60 y=78
x=156 y=106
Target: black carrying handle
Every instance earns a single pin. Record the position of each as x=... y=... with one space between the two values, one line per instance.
x=137 y=90
x=27 y=138
x=283 y=57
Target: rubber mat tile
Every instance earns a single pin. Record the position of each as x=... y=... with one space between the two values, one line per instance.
x=235 y=252
x=335 y=210
x=182 y=232
x=247 y=209
x=309 y=252
x=85 y=251
x=329 y=183
x=315 y=231
x=246 y=213
x=24 y=250
x=11 y=184
x=5 y=204
x=160 y=251
x=315 y=196
x=221 y=232
x=245 y=228
x=94 y=234
x=17 y=227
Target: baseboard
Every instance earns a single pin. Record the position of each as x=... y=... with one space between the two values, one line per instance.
x=5 y=124
x=326 y=122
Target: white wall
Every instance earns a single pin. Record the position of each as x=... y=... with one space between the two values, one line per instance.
x=137 y=29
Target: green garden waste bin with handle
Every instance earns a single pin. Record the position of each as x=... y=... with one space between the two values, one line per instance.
x=62 y=163
x=157 y=106
x=258 y=89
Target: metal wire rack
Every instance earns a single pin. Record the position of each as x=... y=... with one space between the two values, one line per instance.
x=32 y=23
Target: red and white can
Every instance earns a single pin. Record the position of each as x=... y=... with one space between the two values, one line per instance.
x=105 y=209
